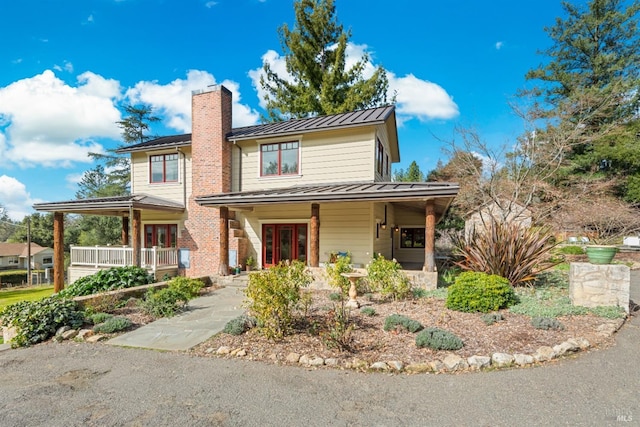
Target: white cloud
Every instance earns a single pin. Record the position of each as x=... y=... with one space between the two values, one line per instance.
x=210 y=4
x=416 y=98
x=15 y=198
x=499 y=45
x=46 y=122
x=66 y=66
x=173 y=100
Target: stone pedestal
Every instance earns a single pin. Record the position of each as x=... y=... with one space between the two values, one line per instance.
x=595 y=285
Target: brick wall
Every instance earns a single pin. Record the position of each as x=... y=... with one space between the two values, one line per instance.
x=211 y=173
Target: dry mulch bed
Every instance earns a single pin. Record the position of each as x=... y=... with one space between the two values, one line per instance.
x=371 y=343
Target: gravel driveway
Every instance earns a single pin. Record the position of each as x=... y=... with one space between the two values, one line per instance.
x=74 y=384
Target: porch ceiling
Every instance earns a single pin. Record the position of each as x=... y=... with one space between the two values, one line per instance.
x=411 y=194
x=111 y=206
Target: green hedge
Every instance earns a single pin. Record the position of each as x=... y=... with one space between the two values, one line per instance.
x=13 y=277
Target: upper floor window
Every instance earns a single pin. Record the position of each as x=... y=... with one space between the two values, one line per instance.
x=164 y=168
x=279 y=158
x=380 y=158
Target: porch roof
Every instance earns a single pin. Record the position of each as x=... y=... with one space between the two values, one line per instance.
x=113 y=206
x=413 y=194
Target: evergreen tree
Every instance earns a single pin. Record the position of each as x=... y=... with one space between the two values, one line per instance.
x=591 y=84
x=317 y=81
x=412 y=174
x=6 y=225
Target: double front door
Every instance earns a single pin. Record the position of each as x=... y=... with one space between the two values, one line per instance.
x=282 y=242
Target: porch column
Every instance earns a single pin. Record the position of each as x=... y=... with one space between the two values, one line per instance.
x=223 y=268
x=430 y=237
x=58 y=251
x=125 y=231
x=314 y=238
x=136 y=241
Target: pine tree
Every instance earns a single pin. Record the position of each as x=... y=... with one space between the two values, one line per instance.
x=412 y=174
x=317 y=81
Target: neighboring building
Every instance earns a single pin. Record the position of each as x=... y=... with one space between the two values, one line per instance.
x=300 y=189
x=14 y=256
x=502 y=211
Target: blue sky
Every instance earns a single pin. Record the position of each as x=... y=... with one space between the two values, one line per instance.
x=68 y=67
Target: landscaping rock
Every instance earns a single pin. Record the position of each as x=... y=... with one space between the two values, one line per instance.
x=304 y=359
x=209 y=350
x=85 y=333
x=500 y=360
x=293 y=358
x=356 y=364
x=523 y=359
x=607 y=329
x=544 y=354
x=316 y=361
x=331 y=361
x=479 y=362
x=241 y=353
x=436 y=366
x=69 y=334
x=96 y=338
x=379 y=366
x=396 y=365
x=62 y=329
x=453 y=362
x=223 y=350
x=582 y=343
x=565 y=347
x=9 y=333
x=235 y=351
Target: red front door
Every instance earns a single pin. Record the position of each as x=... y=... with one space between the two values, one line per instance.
x=281 y=242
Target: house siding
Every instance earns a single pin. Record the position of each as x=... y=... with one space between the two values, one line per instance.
x=411 y=219
x=174 y=191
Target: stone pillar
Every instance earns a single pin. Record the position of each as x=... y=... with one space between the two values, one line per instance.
x=314 y=238
x=223 y=269
x=58 y=251
x=125 y=231
x=595 y=285
x=430 y=237
x=136 y=231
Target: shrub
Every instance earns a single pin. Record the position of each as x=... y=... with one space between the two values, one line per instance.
x=491 y=318
x=165 y=302
x=334 y=273
x=13 y=277
x=273 y=295
x=448 y=277
x=188 y=288
x=475 y=291
x=97 y=318
x=397 y=321
x=36 y=321
x=368 y=311
x=438 y=339
x=112 y=324
x=506 y=249
x=547 y=323
x=386 y=276
x=108 y=280
x=336 y=296
x=339 y=329
x=239 y=325
x=571 y=250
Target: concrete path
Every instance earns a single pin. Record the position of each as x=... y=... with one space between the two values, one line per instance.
x=206 y=317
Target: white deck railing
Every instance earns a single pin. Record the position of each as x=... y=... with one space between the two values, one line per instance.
x=122 y=256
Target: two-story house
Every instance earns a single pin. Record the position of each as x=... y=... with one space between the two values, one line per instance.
x=301 y=189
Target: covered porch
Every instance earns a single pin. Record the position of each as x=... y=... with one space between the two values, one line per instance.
x=365 y=218
x=87 y=260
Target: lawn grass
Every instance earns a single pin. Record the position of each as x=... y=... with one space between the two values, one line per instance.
x=10 y=296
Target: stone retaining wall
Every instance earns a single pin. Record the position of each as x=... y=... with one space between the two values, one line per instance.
x=593 y=285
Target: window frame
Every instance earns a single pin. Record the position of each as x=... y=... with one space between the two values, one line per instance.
x=164 y=167
x=170 y=229
x=13 y=259
x=379 y=157
x=403 y=230
x=279 y=151
x=47 y=260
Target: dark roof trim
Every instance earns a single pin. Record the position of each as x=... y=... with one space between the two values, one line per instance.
x=172 y=141
x=377 y=191
x=111 y=204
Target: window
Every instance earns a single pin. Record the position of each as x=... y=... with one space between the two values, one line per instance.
x=164 y=168
x=160 y=235
x=379 y=157
x=13 y=260
x=388 y=165
x=412 y=238
x=47 y=260
x=279 y=159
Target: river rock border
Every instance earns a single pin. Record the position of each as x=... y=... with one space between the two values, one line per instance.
x=451 y=362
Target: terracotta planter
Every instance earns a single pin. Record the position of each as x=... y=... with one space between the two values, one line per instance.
x=600 y=254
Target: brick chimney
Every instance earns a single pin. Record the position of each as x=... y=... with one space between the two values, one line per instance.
x=210 y=174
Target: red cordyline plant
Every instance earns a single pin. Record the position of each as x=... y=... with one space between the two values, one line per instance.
x=507 y=249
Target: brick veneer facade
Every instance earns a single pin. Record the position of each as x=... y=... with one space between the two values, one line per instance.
x=211 y=173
